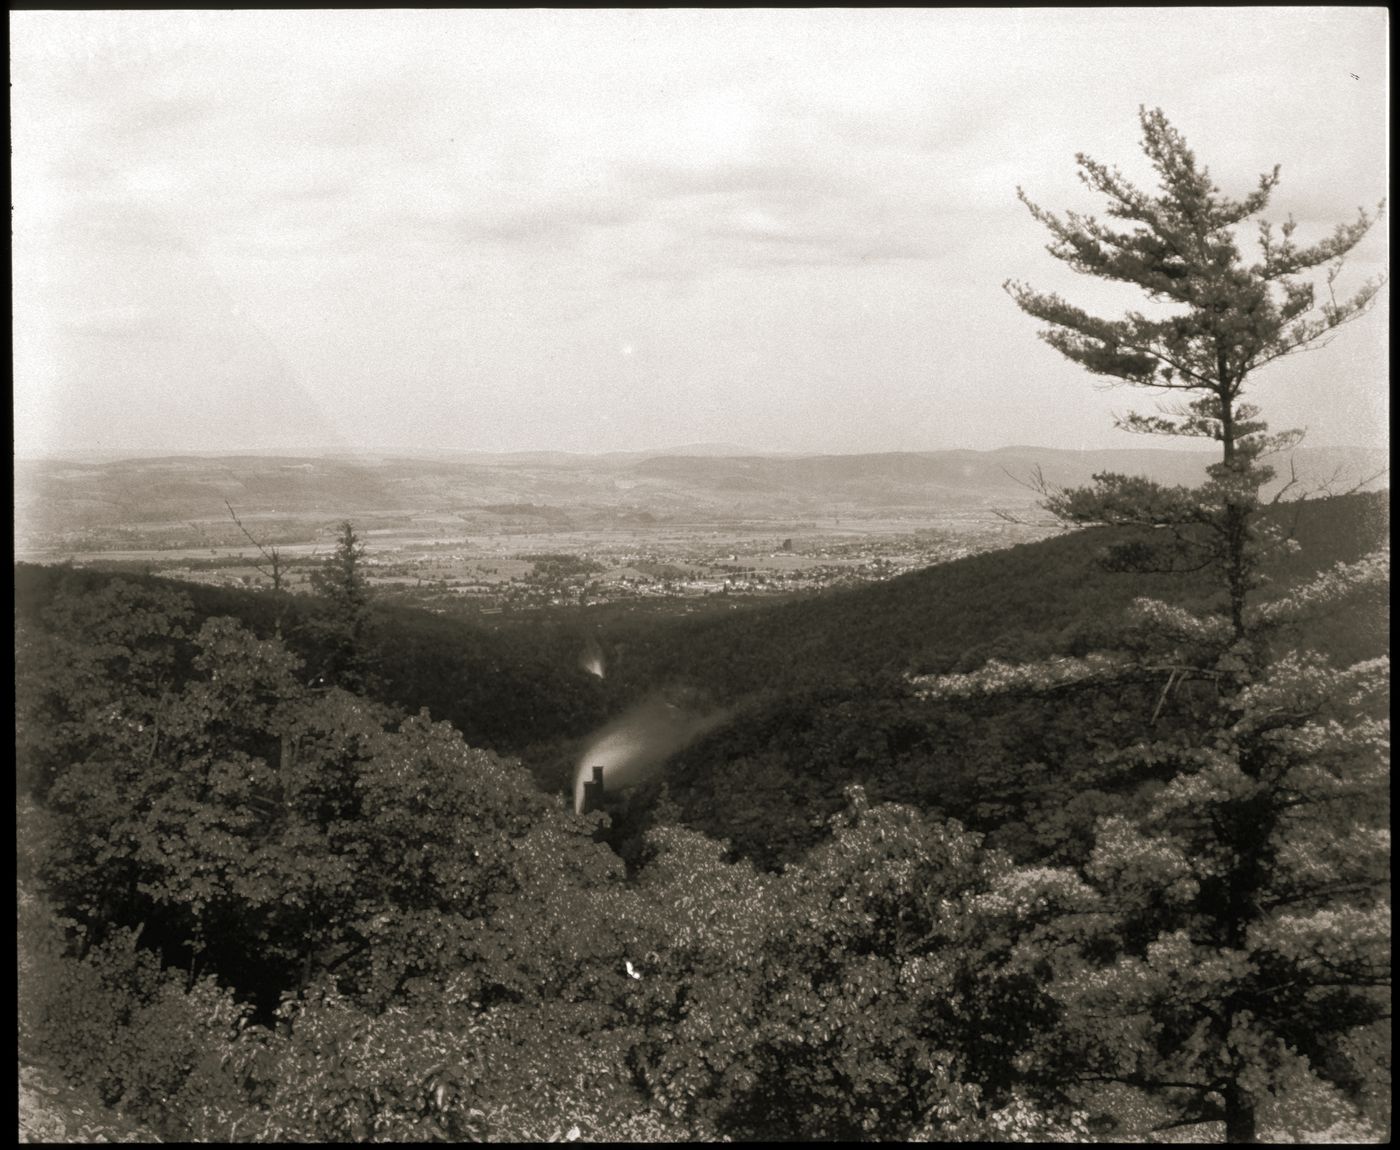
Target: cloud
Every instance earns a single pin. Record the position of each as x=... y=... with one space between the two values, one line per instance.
x=120 y=322
x=527 y=222
x=761 y=240
x=286 y=153
x=689 y=256
x=775 y=212
x=129 y=227
x=773 y=177
x=141 y=119
x=486 y=196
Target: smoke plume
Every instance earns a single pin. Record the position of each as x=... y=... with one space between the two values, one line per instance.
x=634 y=747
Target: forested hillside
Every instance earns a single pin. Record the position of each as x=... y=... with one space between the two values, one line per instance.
x=510 y=685
x=825 y=700
x=819 y=684
x=502 y=688
x=304 y=910
x=1021 y=603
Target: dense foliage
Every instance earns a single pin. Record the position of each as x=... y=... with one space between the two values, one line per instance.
x=387 y=902
x=224 y=849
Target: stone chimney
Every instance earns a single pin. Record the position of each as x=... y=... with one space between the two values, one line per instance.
x=593 y=791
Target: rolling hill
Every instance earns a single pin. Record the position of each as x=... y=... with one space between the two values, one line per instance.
x=56 y=498
x=820 y=697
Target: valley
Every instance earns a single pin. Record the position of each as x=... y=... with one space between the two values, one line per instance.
x=515 y=572
x=475 y=534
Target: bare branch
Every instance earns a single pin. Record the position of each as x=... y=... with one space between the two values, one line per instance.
x=1360 y=485
x=1282 y=491
x=1162 y=698
x=273 y=557
x=1191 y=1120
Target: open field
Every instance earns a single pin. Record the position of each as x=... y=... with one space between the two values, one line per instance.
x=521 y=570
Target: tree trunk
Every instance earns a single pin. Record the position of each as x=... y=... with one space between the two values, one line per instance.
x=307 y=967
x=1227 y=416
x=1239 y=1116
x=1236 y=515
x=1237 y=566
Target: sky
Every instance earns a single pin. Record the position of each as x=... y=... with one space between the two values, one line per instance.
x=624 y=230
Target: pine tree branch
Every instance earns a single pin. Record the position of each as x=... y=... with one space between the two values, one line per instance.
x=1146 y=1081
x=1356 y=887
x=1215 y=1114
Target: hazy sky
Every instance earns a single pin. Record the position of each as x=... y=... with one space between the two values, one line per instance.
x=614 y=230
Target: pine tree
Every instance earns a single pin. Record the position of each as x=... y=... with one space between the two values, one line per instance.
x=1234 y=965
x=341 y=584
x=1227 y=319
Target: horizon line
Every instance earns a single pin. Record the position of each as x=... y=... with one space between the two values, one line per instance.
x=713 y=450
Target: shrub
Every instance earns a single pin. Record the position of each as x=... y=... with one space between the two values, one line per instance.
x=113 y=1022
x=349 y=1075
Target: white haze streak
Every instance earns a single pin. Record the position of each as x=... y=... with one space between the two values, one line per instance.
x=633 y=747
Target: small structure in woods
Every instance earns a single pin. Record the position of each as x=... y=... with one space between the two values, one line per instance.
x=593 y=792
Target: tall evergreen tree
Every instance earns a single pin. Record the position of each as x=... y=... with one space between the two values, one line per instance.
x=1235 y=959
x=341 y=584
x=1228 y=318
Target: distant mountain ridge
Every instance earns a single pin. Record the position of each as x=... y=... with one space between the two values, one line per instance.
x=57 y=496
